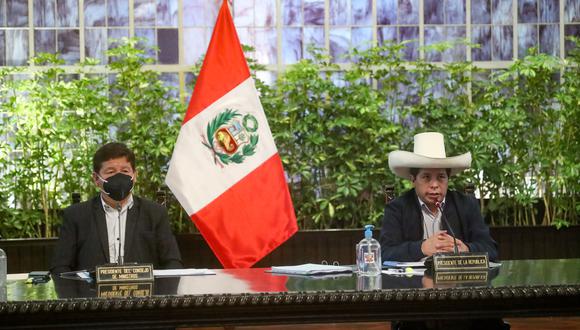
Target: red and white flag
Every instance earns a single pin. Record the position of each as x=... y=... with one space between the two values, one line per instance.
x=225 y=169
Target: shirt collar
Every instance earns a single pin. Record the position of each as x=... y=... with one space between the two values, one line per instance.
x=126 y=207
x=424 y=206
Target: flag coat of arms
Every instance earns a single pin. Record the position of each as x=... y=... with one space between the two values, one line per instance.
x=225 y=169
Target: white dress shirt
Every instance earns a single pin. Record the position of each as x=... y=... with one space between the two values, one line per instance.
x=112 y=217
x=431 y=221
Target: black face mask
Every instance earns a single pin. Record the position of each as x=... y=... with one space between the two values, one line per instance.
x=118 y=186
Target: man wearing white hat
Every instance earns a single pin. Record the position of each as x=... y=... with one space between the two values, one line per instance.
x=412 y=225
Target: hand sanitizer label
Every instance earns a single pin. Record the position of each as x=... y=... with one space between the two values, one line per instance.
x=369 y=258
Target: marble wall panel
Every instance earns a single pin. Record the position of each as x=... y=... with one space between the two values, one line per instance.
x=458 y=51
x=386 y=34
x=95 y=12
x=200 y=13
x=243 y=12
x=527 y=11
x=387 y=12
x=502 y=43
x=292 y=12
x=16 y=47
x=313 y=37
x=411 y=52
x=16 y=13
x=246 y=36
x=339 y=12
x=167 y=13
x=481 y=35
x=267 y=77
x=454 y=11
x=266 y=45
x=527 y=38
x=67 y=13
x=480 y=11
x=339 y=44
x=362 y=12
x=569 y=30
x=501 y=11
x=549 y=11
x=96 y=43
x=188 y=87
x=195 y=42
x=550 y=39
x=115 y=34
x=362 y=38
x=408 y=11
x=479 y=81
x=437 y=89
x=168 y=43
x=2 y=16
x=572 y=11
x=44 y=13
x=171 y=80
x=118 y=12
x=149 y=36
x=433 y=12
x=433 y=35
x=2 y=47
x=265 y=13
x=291 y=45
x=313 y=12
x=44 y=41
x=338 y=79
x=144 y=13
x=68 y=45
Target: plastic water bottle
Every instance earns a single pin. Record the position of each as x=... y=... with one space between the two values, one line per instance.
x=368 y=254
x=3 y=272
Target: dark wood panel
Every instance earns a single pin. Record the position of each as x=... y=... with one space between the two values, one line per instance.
x=25 y=255
x=536 y=323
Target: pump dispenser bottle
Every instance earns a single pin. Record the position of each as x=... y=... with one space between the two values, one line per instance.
x=368 y=254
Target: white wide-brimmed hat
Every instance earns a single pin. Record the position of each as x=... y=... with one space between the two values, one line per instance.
x=428 y=152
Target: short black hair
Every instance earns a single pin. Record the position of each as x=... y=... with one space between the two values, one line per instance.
x=110 y=151
x=414 y=171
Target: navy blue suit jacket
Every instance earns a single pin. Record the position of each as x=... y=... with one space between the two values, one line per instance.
x=83 y=241
x=402 y=229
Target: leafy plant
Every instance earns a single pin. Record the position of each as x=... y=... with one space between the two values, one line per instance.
x=334 y=127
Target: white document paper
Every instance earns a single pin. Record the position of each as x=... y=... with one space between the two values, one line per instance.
x=310 y=269
x=398 y=264
x=403 y=272
x=182 y=272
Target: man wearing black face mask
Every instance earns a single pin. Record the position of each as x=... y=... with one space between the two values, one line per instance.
x=116 y=226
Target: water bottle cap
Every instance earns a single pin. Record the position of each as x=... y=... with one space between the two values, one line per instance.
x=369 y=231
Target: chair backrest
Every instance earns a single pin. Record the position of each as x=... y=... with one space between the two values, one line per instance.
x=76 y=197
x=389 y=191
x=469 y=189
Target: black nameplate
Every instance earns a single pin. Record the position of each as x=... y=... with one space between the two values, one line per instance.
x=124 y=273
x=460 y=262
x=475 y=277
x=117 y=290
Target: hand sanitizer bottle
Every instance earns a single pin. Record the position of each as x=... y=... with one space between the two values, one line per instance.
x=368 y=254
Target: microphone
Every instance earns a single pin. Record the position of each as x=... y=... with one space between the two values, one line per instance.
x=455 y=249
x=120 y=252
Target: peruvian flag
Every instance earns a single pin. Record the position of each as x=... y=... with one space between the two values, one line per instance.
x=225 y=169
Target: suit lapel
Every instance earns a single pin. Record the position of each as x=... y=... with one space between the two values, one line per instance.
x=132 y=216
x=416 y=217
x=101 y=223
x=452 y=217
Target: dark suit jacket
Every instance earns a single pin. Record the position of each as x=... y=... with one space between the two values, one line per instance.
x=83 y=242
x=402 y=229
